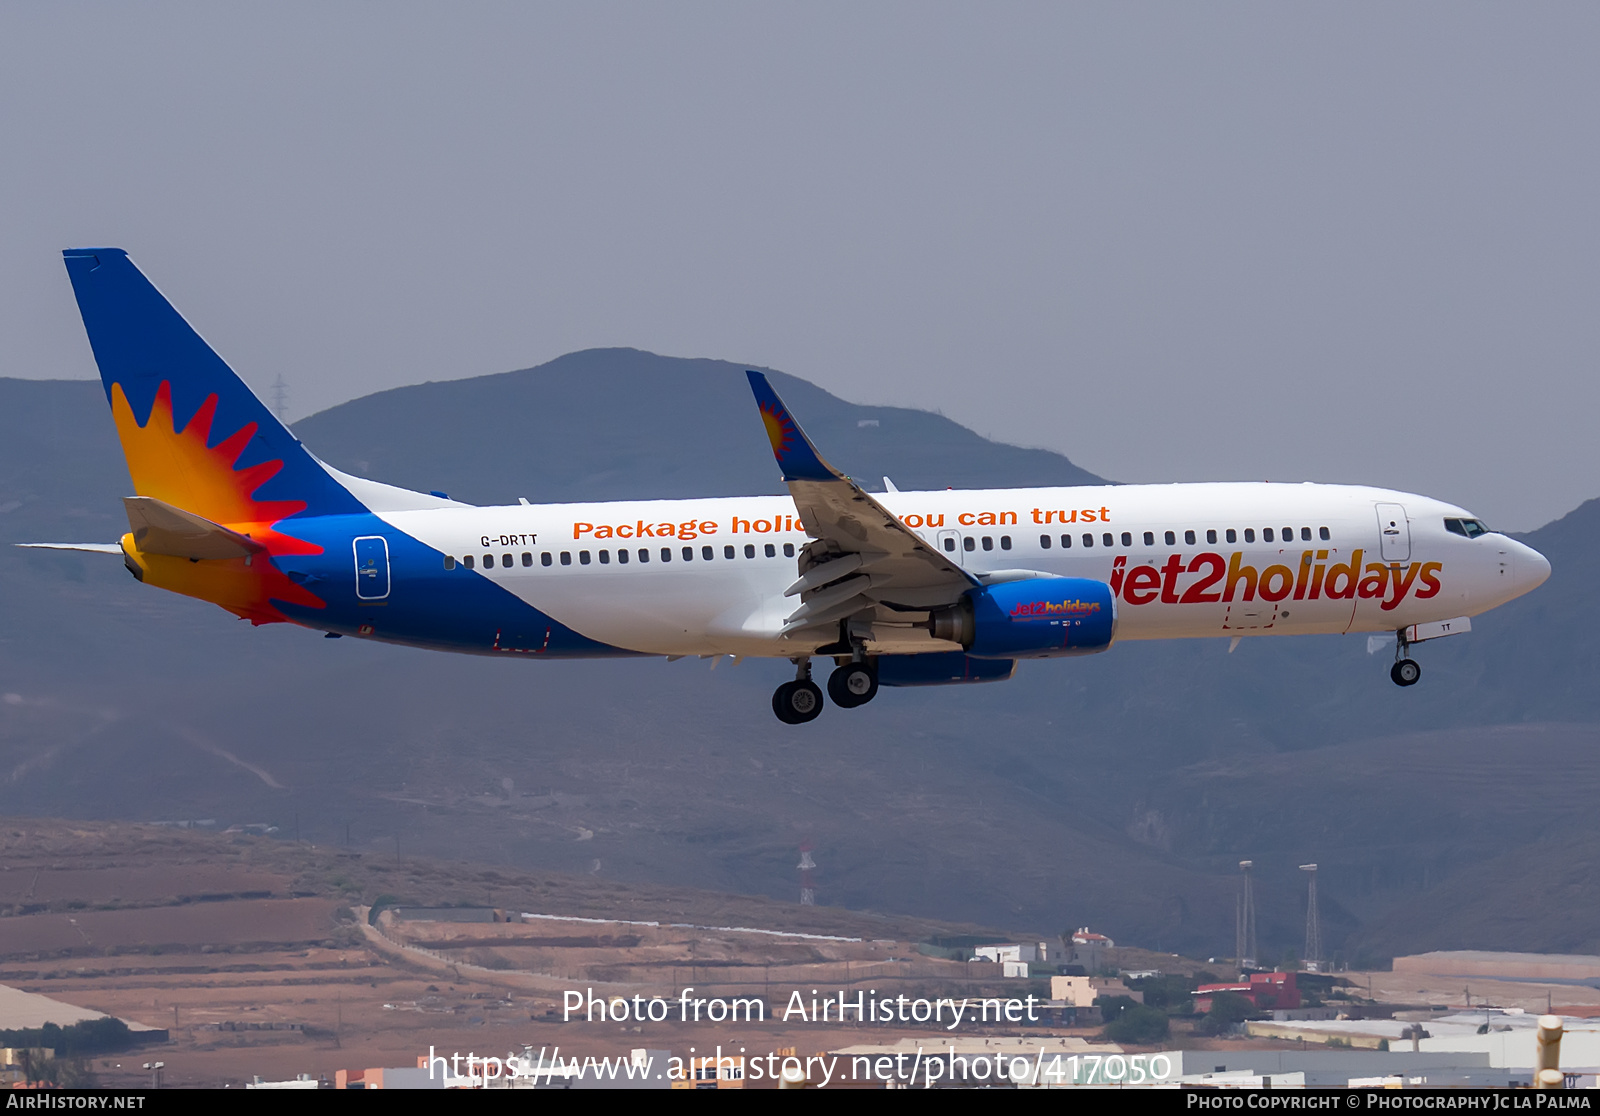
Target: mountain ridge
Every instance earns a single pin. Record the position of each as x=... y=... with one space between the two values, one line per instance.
x=1116 y=790
x=694 y=431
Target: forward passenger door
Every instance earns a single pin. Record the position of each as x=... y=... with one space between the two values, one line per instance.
x=1394 y=533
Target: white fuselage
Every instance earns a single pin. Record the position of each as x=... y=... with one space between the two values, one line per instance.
x=709 y=576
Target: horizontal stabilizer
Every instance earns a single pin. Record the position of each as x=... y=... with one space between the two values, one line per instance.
x=160 y=528
x=92 y=548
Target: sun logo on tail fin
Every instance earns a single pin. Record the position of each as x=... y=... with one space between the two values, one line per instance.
x=182 y=469
x=179 y=467
x=780 y=430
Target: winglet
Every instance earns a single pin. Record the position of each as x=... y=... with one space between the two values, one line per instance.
x=797 y=457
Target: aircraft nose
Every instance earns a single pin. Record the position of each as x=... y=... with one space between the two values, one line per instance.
x=1531 y=569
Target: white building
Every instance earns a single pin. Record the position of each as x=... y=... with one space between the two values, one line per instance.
x=1028 y=951
x=1089 y=949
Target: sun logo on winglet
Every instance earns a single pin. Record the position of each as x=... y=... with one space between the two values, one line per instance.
x=780 y=430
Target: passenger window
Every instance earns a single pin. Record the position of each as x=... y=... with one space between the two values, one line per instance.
x=544 y=558
x=1287 y=535
x=1305 y=534
x=1232 y=536
x=688 y=554
x=1249 y=534
x=666 y=554
x=1106 y=538
x=527 y=558
x=727 y=552
x=1088 y=539
x=950 y=545
x=488 y=561
x=1211 y=535
x=1266 y=534
x=772 y=551
x=605 y=557
x=1005 y=542
x=505 y=560
x=1066 y=542
x=467 y=561
x=583 y=557
x=969 y=543
x=1149 y=538
x=749 y=551
x=449 y=562
x=622 y=557
x=1127 y=538
x=644 y=555
x=707 y=553
x=788 y=550
x=1044 y=542
x=566 y=557
x=1323 y=534
x=988 y=542
x=1172 y=539
x=1188 y=538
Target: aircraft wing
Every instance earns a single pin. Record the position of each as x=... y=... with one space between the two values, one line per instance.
x=862 y=555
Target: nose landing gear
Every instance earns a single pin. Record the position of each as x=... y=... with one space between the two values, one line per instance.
x=799 y=701
x=1405 y=671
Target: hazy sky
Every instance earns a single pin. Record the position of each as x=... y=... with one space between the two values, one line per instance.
x=1345 y=242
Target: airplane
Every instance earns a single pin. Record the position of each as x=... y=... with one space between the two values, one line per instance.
x=896 y=588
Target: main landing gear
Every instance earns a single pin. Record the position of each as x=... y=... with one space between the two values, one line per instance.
x=799 y=701
x=1405 y=671
x=855 y=683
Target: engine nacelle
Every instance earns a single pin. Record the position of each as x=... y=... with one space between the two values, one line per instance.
x=941 y=668
x=1038 y=617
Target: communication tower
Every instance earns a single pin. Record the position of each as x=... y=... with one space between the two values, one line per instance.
x=1313 y=924
x=280 y=399
x=808 y=889
x=1245 y=933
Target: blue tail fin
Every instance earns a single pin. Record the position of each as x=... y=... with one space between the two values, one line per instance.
x=194 y=435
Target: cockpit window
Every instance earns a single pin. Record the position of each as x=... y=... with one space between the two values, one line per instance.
x=1471 y=528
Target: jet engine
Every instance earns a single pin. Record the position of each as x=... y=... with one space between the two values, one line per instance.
x=1036 y=617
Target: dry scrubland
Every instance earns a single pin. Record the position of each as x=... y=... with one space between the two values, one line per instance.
x=255 y=953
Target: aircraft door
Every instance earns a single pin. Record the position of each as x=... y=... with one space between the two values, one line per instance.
x=950 y=546
x=372 y=568
x=1394 y=533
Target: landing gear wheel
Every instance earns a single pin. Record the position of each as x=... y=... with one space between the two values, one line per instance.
x=797 y=702
x=1405 y=672
x=853 y=684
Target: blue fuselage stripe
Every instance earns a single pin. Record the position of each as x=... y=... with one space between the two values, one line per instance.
x=423 y=604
